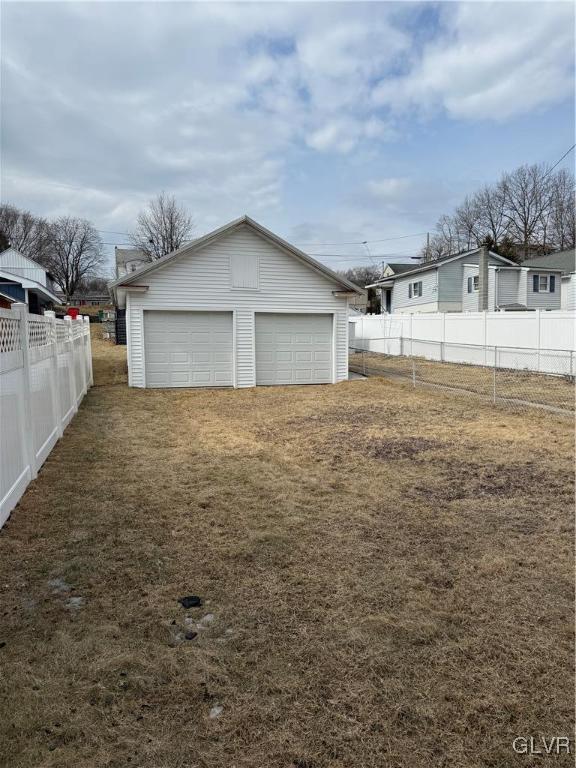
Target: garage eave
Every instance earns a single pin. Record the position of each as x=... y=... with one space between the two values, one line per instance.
x=119 y=293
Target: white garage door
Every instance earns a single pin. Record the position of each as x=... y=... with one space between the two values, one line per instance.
x=293 y=349
x=188 y=349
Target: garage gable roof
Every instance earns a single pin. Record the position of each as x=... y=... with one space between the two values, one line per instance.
x=217 y=234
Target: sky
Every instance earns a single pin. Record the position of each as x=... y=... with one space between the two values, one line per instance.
x=329 y=123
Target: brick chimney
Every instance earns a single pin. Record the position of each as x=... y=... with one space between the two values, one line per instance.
x=483 y=279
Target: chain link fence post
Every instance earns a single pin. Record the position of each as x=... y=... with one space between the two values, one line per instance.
x=494 y=375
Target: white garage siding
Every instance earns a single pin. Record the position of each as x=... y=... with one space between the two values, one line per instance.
x=202 y=281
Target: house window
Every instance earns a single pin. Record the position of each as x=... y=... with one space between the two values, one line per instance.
x=415 y=289
x=544 y=283
x=473 y=283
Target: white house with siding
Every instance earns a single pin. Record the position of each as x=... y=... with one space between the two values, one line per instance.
x=238 y=307
x=24 y=280
x=450 y=284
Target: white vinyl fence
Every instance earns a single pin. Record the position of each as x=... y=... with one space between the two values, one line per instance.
x=530 y=341
x=45 y=371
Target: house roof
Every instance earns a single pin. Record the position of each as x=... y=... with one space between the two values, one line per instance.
x=6 y=254
x=399 y=268
x=217 y=234
x=31 y=285
x=434 y=264
x=564 y=260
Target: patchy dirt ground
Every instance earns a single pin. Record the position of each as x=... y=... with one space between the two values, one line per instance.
x=387 y=577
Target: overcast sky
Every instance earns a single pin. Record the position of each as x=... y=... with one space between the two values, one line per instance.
x=326 y=122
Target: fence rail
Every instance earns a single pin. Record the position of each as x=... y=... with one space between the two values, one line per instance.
x=510 y=375
x=45 y=371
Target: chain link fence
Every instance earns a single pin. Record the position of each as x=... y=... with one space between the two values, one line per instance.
x=507 y=375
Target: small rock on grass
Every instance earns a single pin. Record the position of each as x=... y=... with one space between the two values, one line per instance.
x=190 y=601
x=190 y=635
x=216 y=711
x=74 y=603
x=59 y=585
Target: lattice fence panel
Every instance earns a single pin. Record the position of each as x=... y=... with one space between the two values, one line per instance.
x=62 y=334
x=9 y=334
x=40 y=332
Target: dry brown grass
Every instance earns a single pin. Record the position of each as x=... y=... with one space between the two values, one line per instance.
x=512 y=387
x=390 y=573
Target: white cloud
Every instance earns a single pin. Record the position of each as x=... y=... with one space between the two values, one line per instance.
x=390 y=189
x=492 y=61
x=226 y=105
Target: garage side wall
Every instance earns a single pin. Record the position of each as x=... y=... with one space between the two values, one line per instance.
x=202 y=281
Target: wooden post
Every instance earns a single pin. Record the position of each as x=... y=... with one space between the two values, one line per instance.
x=54 y=383
x=27 y=432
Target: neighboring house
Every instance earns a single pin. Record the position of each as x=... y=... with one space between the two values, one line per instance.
x=87 y=299
x=6 y=300
x=129 y=260
x=391 y=270
x=566 y=262
x=450 y=284
x=514 y=288
x=24 y=280
x=236 y=308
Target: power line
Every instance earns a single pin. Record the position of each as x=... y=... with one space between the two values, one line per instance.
x=363 y=242
x=559 y=161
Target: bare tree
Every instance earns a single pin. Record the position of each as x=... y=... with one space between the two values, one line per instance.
x=563 y=214
x=23 y=231
x=528 y=201
x=530 y=209
x=164 y=227
x=467 y=224
x=492 y=221
x=74 y=253
x=363 y=276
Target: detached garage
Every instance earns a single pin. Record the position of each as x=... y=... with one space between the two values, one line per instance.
x=238 y=307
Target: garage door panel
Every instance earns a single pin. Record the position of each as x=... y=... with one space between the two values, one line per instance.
x=293 y=348
x=188 y=349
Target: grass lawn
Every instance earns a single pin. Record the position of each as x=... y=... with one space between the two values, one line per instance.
x=389 y=574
